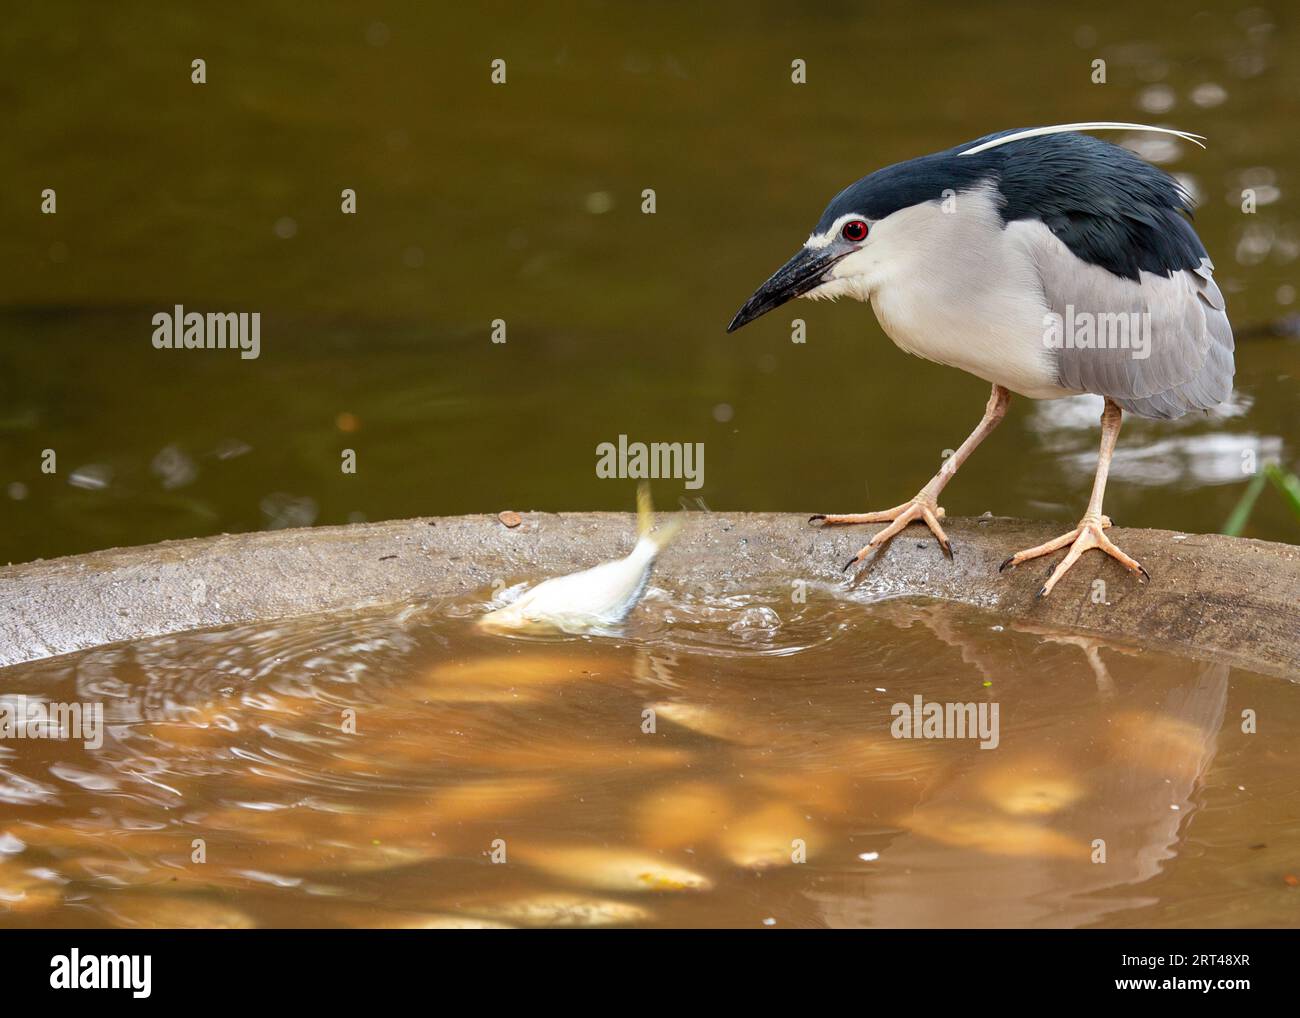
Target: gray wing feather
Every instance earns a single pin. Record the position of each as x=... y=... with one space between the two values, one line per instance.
x=1188 y=363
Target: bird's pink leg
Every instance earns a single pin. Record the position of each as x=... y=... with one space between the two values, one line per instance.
x=924 y=507
x=1090 y=533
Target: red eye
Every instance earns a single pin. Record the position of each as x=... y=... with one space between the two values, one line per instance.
x=854 y=230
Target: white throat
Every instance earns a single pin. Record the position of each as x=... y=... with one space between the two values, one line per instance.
x=947 y=284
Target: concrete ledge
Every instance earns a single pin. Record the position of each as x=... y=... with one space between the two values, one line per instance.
x=1228 y=598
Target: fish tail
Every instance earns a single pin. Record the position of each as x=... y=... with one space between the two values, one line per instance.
x=645 y=521
x=645 y=510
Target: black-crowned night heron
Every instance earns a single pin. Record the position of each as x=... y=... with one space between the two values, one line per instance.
x=1044 y=261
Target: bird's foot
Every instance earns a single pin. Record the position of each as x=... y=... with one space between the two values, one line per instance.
x=1090 y=533
x=920 y=509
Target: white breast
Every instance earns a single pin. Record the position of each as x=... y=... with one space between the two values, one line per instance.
x=947 y=285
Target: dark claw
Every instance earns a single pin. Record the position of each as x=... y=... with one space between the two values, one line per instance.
x=947 y=548
x=818 y=516
x=1143 y=570
x=1005 y=562
x=849 y=564
x=1042 y=591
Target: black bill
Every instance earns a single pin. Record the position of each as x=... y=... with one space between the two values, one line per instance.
x=805 y=271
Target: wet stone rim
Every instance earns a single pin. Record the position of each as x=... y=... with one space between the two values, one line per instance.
x=1229 y=598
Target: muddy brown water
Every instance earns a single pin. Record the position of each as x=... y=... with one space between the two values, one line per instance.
x=726 y=761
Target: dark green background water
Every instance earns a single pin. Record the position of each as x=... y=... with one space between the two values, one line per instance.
x=479 y=202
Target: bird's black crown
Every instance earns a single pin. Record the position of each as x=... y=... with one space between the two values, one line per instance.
x=1107 y=205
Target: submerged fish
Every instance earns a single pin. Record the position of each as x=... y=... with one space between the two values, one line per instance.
x=165 y=912
x=27 y=890
x=682 y=815
x=611 y=869
x=775 y=835
x=595 y=598
x=1031 y=787
x=367 y=917
x=562 y=909
x=968 y=828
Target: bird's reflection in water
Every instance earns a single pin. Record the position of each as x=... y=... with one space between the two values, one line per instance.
x=1060 y=825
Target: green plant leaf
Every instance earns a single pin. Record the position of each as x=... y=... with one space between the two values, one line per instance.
x=1288 y=486
x=1240 y=514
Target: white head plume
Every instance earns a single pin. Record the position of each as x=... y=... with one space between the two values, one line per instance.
x=1095 y=125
